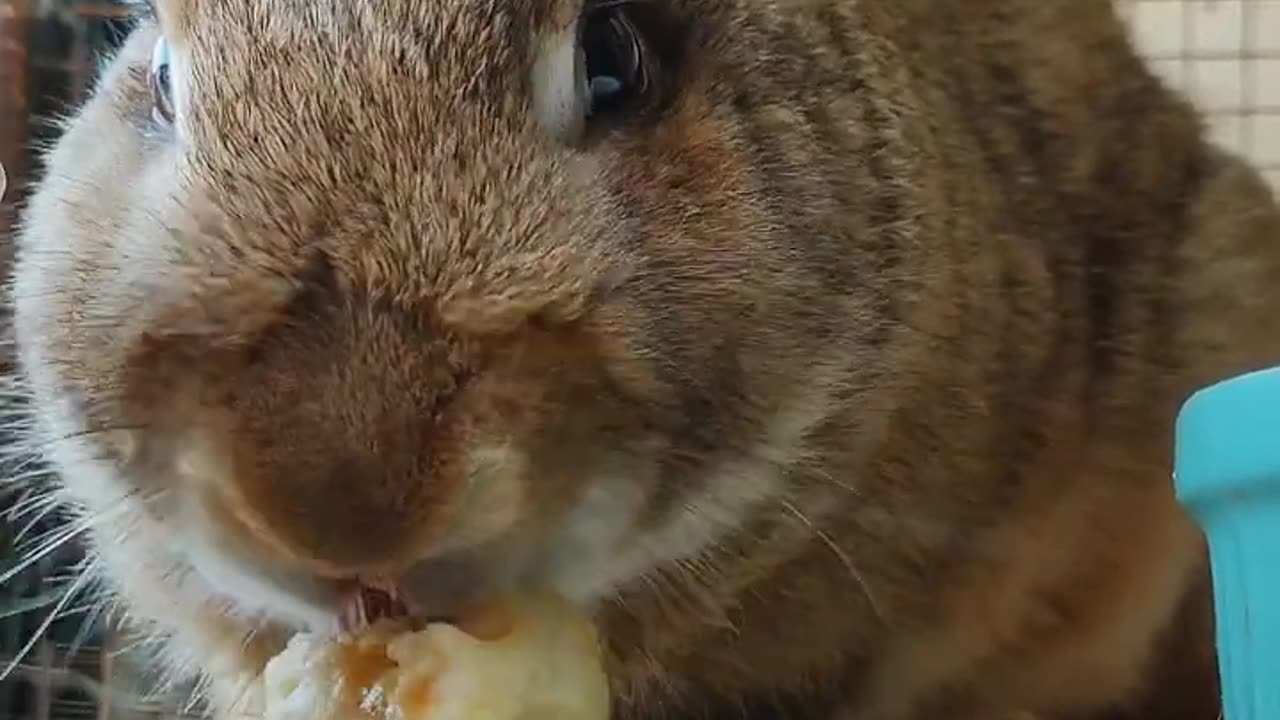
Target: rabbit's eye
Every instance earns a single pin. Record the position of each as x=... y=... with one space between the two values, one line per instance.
x=616 y=68
x=615 y=59
x=161 y=84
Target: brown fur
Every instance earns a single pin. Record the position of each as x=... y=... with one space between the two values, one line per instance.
x=898 y=297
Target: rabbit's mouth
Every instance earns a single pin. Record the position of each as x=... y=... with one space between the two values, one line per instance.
x=363 y=605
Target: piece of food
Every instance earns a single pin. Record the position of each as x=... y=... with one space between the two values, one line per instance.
x=534 y=658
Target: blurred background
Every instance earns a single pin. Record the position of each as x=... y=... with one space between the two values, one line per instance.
x=77 y=666
x=1224 y=53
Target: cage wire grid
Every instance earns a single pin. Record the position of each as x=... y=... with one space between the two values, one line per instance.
x=1224 y=54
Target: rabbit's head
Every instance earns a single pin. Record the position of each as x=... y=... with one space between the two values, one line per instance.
x=456 y=296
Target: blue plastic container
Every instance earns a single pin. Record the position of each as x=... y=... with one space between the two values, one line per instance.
x=1227 y=475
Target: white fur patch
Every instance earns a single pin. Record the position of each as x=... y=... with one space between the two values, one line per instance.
x=559 y=88
x=596 y=553
x=226 y=564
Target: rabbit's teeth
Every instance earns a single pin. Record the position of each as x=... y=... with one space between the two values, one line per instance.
x=364 y=605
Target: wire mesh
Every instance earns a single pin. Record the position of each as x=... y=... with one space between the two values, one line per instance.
x=1225 y=54
x=74 y=667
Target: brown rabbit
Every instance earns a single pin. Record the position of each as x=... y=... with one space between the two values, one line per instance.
x=826 y=350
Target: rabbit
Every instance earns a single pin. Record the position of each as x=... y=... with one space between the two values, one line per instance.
x=824 y=352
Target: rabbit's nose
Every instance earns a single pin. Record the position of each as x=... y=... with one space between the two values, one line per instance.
x=346 y=452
